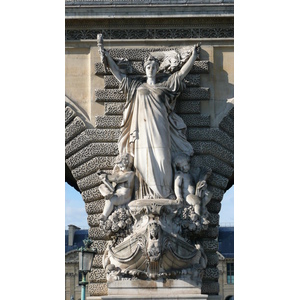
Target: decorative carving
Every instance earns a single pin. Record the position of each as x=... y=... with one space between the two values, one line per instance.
x=117 y=188
x=151 y=234
x=151 y=33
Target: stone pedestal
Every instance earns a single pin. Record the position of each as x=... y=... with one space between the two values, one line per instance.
x=158 y=289
x=164 y=297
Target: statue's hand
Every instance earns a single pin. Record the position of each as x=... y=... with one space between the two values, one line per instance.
x=179 y=199
x=102 y=176
x=197 y=48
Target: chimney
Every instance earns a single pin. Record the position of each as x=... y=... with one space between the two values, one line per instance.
x=72 y=229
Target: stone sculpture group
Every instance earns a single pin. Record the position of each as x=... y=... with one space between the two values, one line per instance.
x=155 y=203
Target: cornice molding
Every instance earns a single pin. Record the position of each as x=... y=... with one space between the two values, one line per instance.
x=94 y=10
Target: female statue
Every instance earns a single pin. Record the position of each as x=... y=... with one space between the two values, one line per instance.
x=151 y=132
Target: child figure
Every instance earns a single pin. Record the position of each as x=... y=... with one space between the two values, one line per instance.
x=185 y=189
x=184 y=184
x=117 y=188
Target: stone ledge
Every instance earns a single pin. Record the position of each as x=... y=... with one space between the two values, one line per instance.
x=82 y=10
x=178 y=296
x=90 y=151
x=73 y=129
x=91 y=166
x=91 y=136
x=69 y=115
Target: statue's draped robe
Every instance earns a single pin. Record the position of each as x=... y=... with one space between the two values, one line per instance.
x=152 y=133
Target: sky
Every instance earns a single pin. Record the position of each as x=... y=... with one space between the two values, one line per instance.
x=75 y=211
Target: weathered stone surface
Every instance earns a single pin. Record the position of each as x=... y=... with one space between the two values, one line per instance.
x=212 y=162
x=218 y=180
x=91 y=136
x=195 y=120
x=195 y=93
x=210 y=134
x=201 y=147
x=97 y=289
x=97 y=262
x=217 y=193
x=211 y=273
x=112 y=95
x=211 y=232
x=212 y=259
x=214 y=219
x=93 y=220
x=97 y=275
x=73 y=129
x=113 y=108
x=90 y=151
x=227 y=124
x=188 y=107
x=108 y=121
x=94 y=207
x=100 y=245
x=192 y=80
x=99 y=162
x=88 y=182
x=69 y=115
x=91 y=195
x=210 y=245
x=209 y=287
x=158 y=33
x=214 y=206
x=96 y=233
x=222 y=138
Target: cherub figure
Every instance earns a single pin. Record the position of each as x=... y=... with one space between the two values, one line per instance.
x=117 y=188
x=205 y=195
x=185 y=189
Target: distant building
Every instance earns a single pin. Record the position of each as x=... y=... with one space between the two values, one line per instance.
x=74 y=239
x=226 y=263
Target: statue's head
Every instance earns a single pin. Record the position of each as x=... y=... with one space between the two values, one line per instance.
x=182 y=162
x=125 y=161
x=151 y=66
x=153 y=229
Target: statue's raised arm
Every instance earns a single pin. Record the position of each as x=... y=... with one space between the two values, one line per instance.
x=186 y=68
x=107 y=60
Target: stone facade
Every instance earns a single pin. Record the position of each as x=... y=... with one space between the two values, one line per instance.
x=93 y=107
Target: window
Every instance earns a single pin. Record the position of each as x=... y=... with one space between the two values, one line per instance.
x=230 y=273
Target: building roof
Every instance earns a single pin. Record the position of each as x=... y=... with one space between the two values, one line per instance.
x=226 y=241
x=79 y=236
